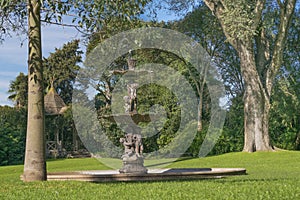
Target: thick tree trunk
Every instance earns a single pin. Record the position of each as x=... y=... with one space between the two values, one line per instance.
x=256 y=106
x=256 y=121
x=35 y=164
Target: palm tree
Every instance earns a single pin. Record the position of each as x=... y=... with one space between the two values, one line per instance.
x=19 y=90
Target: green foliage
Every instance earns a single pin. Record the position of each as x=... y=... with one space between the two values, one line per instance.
x=19 y=90
x=285 y=118
x=239 y=19
x=114 y=26
x=231 y=138
x=284 y=122
x=151 y=95
x=61 y=68
x=201 y=25
x=13 y=17
x=148 y=95
x=269 y=176
x=12 y=135
x=94 y=15
x=63 y=127
x=88 y=15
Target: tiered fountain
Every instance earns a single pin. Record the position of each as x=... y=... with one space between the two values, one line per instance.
x=133 y=161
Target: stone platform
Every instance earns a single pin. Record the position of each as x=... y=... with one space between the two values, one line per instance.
x=152 y=175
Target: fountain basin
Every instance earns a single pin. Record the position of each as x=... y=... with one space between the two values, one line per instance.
x=152 y=175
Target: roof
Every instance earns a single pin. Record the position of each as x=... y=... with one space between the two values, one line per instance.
x=54 y=104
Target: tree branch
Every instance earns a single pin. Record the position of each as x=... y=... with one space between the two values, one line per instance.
x=77 y=27
x=280 y=4
x=260 y=4
x=286 y=14
x=217 y=7
x=59 y=24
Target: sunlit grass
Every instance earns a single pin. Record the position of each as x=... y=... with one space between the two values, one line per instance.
x=271 y=175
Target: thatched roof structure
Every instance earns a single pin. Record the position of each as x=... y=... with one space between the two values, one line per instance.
x=54 y=105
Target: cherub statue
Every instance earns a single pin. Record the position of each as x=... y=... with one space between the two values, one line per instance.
x=132 y=144
x=129 y=144
x=137 y=138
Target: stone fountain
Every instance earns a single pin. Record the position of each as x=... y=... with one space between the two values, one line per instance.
x=133 y=160
x=133 y=168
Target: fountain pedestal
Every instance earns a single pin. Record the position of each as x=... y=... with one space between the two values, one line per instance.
x=133 y=164
x=133 y=160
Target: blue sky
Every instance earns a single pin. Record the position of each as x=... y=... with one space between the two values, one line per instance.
x=13 y=56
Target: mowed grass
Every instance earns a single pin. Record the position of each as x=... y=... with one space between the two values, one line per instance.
x=271 y=175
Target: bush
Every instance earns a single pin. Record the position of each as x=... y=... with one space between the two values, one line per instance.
x=12 y=135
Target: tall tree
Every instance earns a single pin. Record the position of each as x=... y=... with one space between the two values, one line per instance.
x=260 y=46
x=91 y=15
x=285 y=122
x=35 y=161
x=260 y=56
x=18 y=90
x=203 y=27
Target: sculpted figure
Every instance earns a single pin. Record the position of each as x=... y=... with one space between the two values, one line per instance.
x=128 y=143
x=138 y=144
x=132 y=144
x=131 y=89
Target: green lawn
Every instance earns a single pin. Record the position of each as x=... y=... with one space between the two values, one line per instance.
x=271 y=175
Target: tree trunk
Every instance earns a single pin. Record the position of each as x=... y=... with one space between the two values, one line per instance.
x=256 y=106
x=35 y=164
x=74 y=136
x=297 y=142
x=256 y=121
x=199 y=123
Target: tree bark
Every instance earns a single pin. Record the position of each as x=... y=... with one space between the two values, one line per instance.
x=256 y=120
x=256 y=105
x=35 y=164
